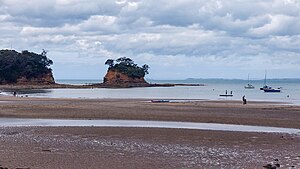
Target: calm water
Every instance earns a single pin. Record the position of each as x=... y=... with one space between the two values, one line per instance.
x=212 y=89
x=8 y=122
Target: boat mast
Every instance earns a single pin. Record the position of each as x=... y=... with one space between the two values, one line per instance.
x=248 y=78
x=265 y=78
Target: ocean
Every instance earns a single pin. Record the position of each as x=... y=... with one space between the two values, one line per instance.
x=211 y=90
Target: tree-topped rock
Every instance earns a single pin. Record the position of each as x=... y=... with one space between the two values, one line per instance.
x=123 y=72
x=25 y=68
x=128 y=67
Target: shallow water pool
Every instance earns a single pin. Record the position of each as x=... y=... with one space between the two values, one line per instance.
x=15 y=122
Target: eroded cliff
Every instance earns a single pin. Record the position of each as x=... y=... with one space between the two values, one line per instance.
x=118 y=79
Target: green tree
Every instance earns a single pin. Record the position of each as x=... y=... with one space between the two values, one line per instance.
x=127 y=66
x=125 y=61
x=14 y=65
x=145 y=68
x=109 y=62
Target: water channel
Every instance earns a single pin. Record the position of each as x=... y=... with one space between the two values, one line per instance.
x=17 y=122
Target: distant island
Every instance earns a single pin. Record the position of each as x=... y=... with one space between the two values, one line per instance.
x=25 y=68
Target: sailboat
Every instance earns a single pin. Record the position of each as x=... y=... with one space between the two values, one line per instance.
x=249 y=86
x=265 y=82
x=267 y=88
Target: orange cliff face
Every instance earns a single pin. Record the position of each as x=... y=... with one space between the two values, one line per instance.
x=46 y=79
x=118 y=79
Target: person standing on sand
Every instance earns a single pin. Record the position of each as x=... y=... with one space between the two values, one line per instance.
x=15 y=93
x=244 y=100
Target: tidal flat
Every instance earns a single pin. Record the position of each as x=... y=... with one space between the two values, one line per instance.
x=124 y=147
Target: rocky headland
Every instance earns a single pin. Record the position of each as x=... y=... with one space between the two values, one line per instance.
x=44 y=79
x=25 y=68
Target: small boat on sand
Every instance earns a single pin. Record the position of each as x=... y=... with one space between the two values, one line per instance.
x=160 y=101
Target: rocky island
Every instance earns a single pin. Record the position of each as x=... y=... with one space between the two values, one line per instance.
x=123 y=72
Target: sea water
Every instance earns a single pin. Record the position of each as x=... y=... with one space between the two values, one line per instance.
x=211 y=90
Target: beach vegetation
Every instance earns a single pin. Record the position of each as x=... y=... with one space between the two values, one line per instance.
x=25 y=64
x=127 y=66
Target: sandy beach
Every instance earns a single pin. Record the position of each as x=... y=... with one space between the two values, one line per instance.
x=228 y=112
x=109 y=147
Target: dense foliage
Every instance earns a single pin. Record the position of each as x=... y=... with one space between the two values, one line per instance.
x=127 y=66
x=14 y=65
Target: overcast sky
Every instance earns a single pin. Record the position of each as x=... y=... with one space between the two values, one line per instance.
x=178 y=39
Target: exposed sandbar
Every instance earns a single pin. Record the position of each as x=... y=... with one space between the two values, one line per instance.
x=103 y=147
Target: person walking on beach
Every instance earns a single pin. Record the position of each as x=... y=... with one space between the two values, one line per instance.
x=244 y=100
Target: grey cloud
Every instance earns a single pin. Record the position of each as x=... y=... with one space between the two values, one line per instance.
x=52 y=13
x=202 y=31
x=279 y=25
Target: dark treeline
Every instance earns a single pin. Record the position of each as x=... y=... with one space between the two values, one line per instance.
x=127 y=66
x=15 y=65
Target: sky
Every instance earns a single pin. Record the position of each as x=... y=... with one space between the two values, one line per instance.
x=178 y=39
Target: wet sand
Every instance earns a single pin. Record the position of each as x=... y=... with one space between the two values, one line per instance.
x=103 y=147
x=228 y=112
x=81 y=147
